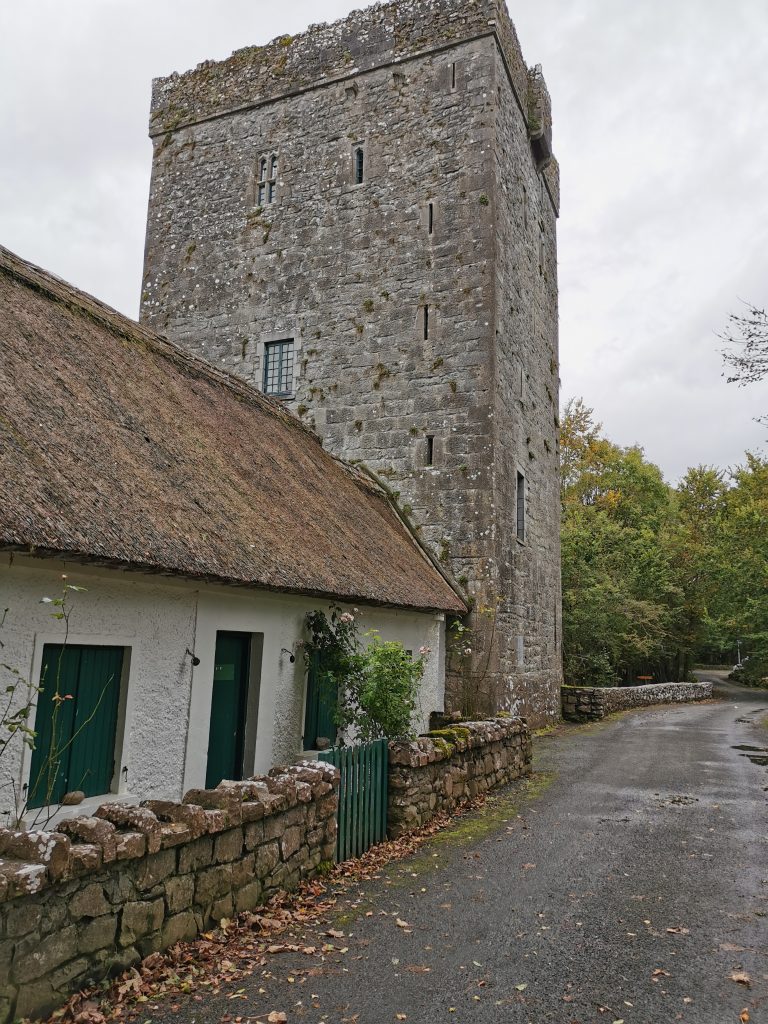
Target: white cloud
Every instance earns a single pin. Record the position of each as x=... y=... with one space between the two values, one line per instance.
x=659 y=110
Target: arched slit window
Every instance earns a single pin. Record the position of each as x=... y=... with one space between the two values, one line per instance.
x=267 y=184
x=272 y=183
x=359 y=163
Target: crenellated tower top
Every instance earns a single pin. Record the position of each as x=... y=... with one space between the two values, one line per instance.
x=325 y=54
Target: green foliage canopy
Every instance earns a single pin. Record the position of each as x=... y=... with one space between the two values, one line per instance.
x=655 y=577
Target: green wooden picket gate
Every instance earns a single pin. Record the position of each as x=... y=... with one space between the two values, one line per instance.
x=362 y=796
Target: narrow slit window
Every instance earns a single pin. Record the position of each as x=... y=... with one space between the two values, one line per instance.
x=272 y=184
x=278 y=368
x=521 y=507
x=431 y=218
x=267 y=180
x=359 y=165
x=453 y=75
x=426 y=322
x=430 y=449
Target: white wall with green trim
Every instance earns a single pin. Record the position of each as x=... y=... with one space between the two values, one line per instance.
x=163 y=720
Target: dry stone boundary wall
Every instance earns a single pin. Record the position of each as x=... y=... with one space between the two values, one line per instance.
x=591 y=703
x=94 y=897
x=100 y=893
x=439 y=771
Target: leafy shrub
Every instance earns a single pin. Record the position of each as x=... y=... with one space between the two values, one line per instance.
x=376 y=683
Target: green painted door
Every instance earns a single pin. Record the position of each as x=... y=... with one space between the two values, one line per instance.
x=226 y=737
x=321 y=707
x=76 y=722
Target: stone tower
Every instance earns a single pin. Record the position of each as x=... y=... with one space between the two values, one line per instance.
x=361 y=221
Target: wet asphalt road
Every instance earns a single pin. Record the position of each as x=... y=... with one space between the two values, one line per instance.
x=627 y=882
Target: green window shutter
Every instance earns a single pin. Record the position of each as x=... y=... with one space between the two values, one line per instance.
x=75 y=744
x=48 y=770
x=92 y=753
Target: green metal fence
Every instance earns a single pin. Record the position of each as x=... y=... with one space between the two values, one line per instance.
x=362 y=796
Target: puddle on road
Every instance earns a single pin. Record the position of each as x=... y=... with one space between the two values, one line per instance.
x=757 y=755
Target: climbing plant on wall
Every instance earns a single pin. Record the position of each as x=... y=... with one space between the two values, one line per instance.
x=374 y=682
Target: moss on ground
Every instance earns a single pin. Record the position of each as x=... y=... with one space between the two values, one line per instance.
x=546 y=730
x=474 y=826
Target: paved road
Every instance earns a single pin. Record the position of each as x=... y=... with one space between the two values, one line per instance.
x=627 y=883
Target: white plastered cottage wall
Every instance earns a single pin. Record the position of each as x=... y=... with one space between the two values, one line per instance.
x=164 y=716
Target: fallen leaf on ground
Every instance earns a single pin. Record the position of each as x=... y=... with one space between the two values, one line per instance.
x=334 y=934
x=742 y=978
x=744 y=1016
x=224 y=955
x=679 y=931
x=402 y=924
x=90 y=1016
x=522 y=986
x=277 y=1017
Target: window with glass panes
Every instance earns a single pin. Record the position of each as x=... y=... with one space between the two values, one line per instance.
x=267 y=184
x=278 y=368
x=521 y=508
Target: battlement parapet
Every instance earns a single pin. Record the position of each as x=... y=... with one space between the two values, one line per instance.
x=375 y=37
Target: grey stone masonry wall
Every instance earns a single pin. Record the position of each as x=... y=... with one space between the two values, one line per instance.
x=590 y=703
x=385 y=33
x=92 y=899
x=422 y=303
x=442 y=769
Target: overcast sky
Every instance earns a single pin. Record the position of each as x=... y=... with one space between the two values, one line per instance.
x=660 y=108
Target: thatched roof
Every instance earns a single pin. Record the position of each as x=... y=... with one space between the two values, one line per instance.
x=118 y=447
